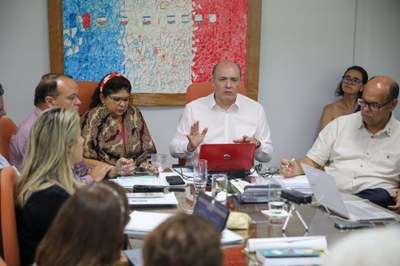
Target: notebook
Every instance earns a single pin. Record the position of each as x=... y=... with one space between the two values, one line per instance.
x=228 y=156
x=327 y=194
x=212 y=210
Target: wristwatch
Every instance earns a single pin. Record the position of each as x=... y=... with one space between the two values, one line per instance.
x=258 y=143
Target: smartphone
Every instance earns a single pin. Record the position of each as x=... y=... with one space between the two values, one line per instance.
x=346 y=225
x=174 y=180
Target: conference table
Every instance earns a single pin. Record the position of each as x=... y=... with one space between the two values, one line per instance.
x=319 y=222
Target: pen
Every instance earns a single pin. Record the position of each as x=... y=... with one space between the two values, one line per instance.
x=287 y=165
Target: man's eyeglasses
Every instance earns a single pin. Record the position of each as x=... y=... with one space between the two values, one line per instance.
x=352 y=80
x=372 y=106
x=118 y=100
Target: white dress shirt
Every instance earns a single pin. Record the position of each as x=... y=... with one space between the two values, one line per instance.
x=244 y=117
x=355 y=157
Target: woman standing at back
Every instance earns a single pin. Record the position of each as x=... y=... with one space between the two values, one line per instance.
x=114 y=130
x=350 y=88
x=47 y=180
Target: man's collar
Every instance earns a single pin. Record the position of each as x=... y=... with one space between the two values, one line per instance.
x=236 y=104
x=388 y=127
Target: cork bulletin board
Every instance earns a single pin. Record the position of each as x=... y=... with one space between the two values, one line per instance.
x=160 y=46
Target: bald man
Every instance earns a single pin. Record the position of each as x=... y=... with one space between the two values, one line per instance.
x=224 y=116
x=361 y=150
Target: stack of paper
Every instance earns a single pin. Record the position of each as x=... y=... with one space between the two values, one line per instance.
x=289 y=256
x=142 y=223
x=318 y=243
x=299 y=183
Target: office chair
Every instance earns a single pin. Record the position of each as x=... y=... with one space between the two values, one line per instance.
x=8 y=180
x=85 y=91
x=7 y=129
x=198 y=90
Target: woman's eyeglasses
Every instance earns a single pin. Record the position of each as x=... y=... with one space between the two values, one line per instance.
x=118 y=100
x=352 y=80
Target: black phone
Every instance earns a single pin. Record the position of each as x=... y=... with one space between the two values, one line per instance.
x=347 y=225
x=174 y=180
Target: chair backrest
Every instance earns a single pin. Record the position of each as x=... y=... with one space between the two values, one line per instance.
x=201 y=89
x=7 y=128
x=86 y=90
x=8 y=180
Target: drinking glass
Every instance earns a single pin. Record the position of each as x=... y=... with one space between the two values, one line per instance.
x=200 y=173
x=158 y=162
x=219 y=187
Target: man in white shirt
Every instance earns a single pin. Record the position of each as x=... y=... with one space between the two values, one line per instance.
x=361 y=150
x=224 y=116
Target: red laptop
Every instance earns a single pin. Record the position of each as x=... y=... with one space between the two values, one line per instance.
x=228 y=157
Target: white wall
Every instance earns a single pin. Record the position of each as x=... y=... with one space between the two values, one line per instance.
x=305 y=47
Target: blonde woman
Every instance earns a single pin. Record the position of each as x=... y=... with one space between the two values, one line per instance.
x=47 y=180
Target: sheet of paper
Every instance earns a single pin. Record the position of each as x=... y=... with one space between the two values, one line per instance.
x=130 y=181
x=299 y=183
x=231 y=238
x=159 y=199
x=142 y=223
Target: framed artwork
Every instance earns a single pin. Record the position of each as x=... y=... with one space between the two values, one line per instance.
x=160 y=46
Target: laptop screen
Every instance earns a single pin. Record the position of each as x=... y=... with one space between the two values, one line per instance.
x=212 y=210
x=228 y=156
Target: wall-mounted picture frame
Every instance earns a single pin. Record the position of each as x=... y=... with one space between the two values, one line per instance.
x=158 y=97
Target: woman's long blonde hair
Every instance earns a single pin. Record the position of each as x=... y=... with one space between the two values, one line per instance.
x=46 y=162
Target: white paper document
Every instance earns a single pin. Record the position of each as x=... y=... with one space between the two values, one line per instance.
x=142 y=223
x=130 y=181
x=316 y=242
x=299 y=183
x=152 y=199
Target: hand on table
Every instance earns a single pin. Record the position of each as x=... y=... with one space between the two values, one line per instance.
x=123 y=167
x=247 y=139
x=99 y=172
x=288 y=168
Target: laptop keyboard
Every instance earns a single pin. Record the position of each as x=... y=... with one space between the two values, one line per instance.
x=361 y=211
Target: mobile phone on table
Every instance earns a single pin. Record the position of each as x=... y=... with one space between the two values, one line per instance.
x=347 y=225
x=174 y=180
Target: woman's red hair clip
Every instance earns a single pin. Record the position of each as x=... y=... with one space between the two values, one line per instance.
x=107 y=78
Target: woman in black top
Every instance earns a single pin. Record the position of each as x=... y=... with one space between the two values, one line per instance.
x=47 y=180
